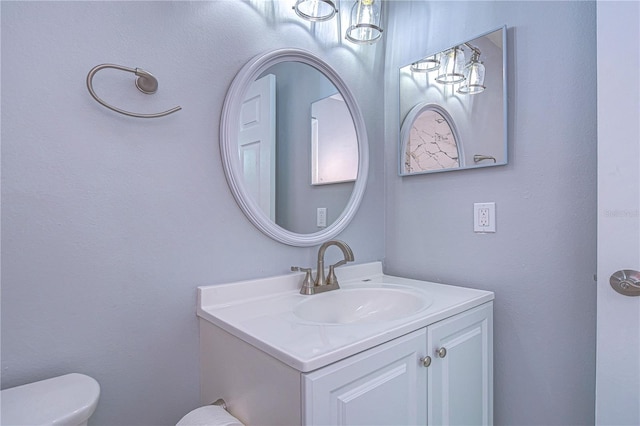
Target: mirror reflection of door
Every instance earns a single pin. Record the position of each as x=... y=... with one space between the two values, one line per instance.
x=334 y=144
x=275 y=149
x=298 y=86
x=256 y=143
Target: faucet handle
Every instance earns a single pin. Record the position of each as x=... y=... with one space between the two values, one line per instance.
x=307 y=282
x=331 y=277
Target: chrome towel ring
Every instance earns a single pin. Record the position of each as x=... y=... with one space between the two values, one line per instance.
x=145 y=82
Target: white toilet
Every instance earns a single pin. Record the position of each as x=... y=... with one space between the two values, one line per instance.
x=71 y=399
x=215 y=414
x=65 y=400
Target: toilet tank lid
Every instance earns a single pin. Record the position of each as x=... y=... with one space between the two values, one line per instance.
x=68 y=399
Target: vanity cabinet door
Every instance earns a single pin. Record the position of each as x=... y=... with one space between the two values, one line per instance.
x=460 y=382
x=385 y=385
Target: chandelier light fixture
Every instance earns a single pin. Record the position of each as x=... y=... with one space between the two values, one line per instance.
x=451 y=66
x=315 y=10
x=365 y=22
x=473 y=74
x=427 y=64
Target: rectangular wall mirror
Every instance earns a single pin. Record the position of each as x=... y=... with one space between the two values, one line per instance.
x=453 y=107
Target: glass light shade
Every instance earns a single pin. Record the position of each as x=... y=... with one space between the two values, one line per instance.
x=474 y=78
x=315 y=10
x=365 y=21
x=430 y=63
x=451 y=66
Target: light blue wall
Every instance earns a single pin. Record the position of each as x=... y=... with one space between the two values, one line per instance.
x=108 y=222
x=542 y=260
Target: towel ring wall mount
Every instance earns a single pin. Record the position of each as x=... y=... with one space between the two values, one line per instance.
x=145 y=82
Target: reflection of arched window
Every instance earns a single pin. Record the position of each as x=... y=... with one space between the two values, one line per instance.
x=430 y=140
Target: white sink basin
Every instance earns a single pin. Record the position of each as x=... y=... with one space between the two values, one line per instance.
x=310 y=332
x=362 y=305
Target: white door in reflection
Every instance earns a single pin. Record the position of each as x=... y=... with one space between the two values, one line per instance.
x=334 y=146
x=256 y=143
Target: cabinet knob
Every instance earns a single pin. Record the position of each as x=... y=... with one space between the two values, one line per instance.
x=426 y=361
x=442 y=352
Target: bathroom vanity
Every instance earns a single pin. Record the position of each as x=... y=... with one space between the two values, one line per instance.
x=380 y=350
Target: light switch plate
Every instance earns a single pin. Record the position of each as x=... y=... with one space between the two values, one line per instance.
x=321 y=217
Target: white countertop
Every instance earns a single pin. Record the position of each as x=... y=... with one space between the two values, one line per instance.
x=260 y=312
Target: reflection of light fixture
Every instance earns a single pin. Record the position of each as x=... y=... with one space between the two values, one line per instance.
x=474 y=75
x=452 y=69
x=364 y=25
x=427 y=64
x=451 y=66
x=315 y=10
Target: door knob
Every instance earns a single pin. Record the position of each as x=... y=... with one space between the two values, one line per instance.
x=626 y=282
x=442 y=352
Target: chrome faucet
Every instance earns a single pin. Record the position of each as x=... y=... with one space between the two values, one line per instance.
x=322 y=283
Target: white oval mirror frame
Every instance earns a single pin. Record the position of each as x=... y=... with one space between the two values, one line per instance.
x=229 y=130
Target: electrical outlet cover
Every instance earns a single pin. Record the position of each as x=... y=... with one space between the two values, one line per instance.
x=484 y=217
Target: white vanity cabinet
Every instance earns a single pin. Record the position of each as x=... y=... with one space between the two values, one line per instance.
x=432 y=365
x=385 y=385
x=460 y=378
x=438 y=375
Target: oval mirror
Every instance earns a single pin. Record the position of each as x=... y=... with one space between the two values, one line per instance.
x=294 y=147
